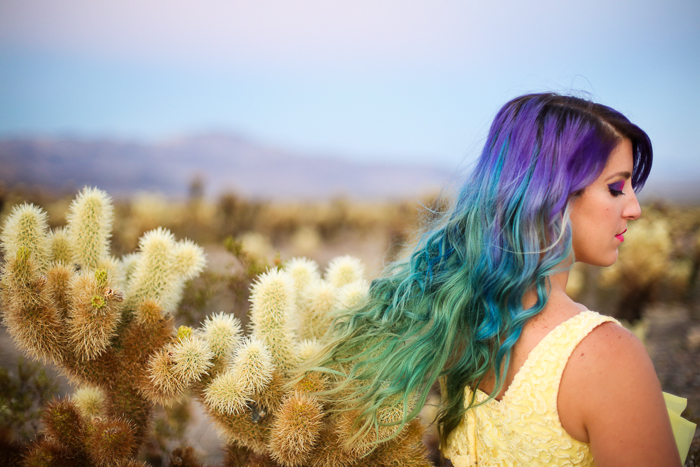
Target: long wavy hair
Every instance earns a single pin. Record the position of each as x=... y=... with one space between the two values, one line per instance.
x=453 y=309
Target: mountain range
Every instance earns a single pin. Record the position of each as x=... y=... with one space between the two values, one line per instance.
x=223 y=162
x=230 y=163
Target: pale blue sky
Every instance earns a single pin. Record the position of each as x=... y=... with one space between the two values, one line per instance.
x=372 y=80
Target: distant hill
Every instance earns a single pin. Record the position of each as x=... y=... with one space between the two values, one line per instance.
x=228 y=163
x=224 y=162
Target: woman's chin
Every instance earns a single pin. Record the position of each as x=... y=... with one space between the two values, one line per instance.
x=610 y=261
x=601 y=261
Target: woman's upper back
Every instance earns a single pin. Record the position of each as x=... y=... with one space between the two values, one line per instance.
x=522 y=426
x=583 y=384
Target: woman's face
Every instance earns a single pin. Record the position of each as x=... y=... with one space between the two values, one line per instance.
x=599 y=215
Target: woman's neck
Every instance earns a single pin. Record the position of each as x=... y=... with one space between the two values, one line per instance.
x=555 y=286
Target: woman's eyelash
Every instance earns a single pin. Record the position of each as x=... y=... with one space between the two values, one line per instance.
x=616 y=188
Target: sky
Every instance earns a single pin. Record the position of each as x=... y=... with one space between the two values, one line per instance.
x=396 y=81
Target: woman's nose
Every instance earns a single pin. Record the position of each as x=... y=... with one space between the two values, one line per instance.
x=632 y=209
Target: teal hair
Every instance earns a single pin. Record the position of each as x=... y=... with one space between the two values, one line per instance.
x=453 y=309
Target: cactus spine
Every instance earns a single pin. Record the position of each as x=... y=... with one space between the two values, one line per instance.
x=273 y=306
x=90 y=227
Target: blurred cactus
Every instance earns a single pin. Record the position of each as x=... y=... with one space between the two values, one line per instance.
x=303 y=272
x=108 y=324
x=576 y=281
x=345 y=270
x=24 y=392
x=256 y=245
x=306 y=240
x=643 y=261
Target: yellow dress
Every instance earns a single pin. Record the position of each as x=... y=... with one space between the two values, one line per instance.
x=523 y=428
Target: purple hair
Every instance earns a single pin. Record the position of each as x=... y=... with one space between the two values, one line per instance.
x=509 y=228
x=560 y=144
x=454 y=307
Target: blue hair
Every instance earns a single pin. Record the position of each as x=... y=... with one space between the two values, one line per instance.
x=453 y=309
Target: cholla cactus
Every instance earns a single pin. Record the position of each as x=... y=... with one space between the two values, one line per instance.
x=296 y=430
x=318 y=301
x=223 y=333
x=107 y=323
x=303 y=272
x=345 y=270
x=191 y=358
x=29 y=311
x=89 y=401
x=60 y=246
x=287 y=425
x=25 y=229
x=352 y=295
x=93 y=314
x=162 y=268
x=90 y=227
x=273 y=304
x=65 y=300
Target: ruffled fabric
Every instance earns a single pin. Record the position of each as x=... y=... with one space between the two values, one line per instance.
x=523 y=428
x=683 y=430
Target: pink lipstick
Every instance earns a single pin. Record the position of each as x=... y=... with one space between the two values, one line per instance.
x=620 y=236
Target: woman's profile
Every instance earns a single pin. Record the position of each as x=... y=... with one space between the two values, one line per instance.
x=528 y=376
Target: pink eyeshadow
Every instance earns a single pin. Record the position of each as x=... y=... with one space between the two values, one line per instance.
x=617 y=186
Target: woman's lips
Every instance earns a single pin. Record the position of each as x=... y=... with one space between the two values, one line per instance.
x=620 y=236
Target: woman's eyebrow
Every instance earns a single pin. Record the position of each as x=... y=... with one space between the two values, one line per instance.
x=625 y=175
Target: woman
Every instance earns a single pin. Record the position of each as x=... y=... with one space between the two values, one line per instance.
x=528 y=376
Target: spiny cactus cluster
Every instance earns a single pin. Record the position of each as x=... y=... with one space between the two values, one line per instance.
x=250 y=396
x=107 y=323
x=99 y=319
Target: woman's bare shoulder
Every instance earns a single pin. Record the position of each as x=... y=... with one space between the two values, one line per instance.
x=611 y=397
x=610 y=344
x=608 y=361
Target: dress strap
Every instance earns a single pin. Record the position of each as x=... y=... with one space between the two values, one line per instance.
x=547 y=360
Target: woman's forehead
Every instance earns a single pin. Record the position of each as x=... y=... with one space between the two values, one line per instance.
x=619 y=161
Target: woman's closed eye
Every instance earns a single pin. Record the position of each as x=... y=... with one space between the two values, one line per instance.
x=616 y=188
